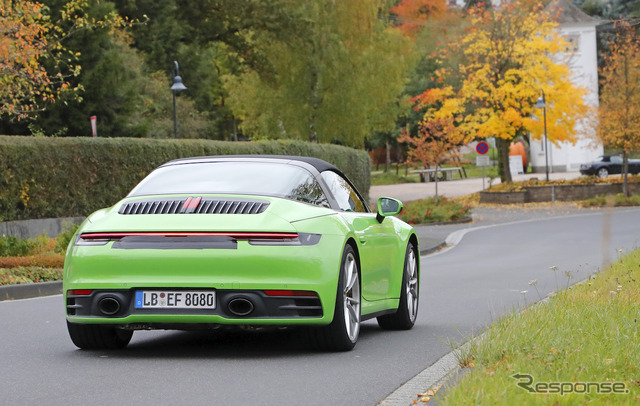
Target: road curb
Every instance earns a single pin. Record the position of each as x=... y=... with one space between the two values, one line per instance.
x=433 y=249
x=28 y=290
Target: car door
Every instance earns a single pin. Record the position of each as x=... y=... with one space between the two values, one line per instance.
x=615 y=165
x=376 y=240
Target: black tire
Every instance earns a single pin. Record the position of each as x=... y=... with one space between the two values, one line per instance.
x=342 y=334
x=602 y=172
x=98 y=336
x=405 y=317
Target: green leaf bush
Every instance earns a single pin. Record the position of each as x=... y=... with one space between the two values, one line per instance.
x=72 y=176
x=428 y=211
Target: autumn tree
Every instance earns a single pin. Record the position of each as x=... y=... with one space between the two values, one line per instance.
x=433 y=146
x=412 y=14
x=508 y=56
x=35 y=66
x=619 y=113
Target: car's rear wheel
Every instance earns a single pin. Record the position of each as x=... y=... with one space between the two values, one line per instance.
x=98 y=337
x=603 y=172
x=405 y=317
x=342 y=334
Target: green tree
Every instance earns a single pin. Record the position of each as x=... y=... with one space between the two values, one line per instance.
x=337 y=81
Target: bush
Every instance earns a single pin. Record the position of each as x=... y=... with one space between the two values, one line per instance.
x=582 y=180
x=428 y=211
x=14 y=246
x=31 y=274
x=63 y=239
x=49 y=260
x=68 y=177
x=610 y=200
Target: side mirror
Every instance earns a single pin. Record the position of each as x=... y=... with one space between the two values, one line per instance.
x=388 y=206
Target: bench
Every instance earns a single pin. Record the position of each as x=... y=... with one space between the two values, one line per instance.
x=428 y=175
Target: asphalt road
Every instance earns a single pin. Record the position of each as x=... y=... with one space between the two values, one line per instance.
x=463 y=289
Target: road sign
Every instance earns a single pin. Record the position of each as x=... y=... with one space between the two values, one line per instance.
x=482 y=148
x=483 y=160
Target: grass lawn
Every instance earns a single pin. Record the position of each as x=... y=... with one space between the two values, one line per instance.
x=379 y=177
x=584 y=342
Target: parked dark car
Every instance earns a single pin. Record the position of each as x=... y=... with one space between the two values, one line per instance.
x=607 y=165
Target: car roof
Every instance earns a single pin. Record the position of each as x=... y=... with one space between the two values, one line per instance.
x=317 y=163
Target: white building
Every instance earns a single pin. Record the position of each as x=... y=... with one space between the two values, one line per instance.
x=580 y=30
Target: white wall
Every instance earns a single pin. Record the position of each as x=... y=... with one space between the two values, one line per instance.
x=584 y=67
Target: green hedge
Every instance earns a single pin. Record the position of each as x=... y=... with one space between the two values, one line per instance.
x=66 y=177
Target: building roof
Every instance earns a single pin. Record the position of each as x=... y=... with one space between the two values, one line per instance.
x=570 y=14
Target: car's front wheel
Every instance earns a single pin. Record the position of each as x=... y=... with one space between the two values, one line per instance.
x=342 y=334
x=405 y=317
x=98 y=337
x=603 y=172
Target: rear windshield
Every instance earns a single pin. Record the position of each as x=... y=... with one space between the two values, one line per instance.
x=251 y=178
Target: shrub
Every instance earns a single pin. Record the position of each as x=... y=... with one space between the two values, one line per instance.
x=610 y=200
x=428 y=211
x=13 y=246
x=29 y=275
x=68 y=177
x=63 y=239
x=43 y=260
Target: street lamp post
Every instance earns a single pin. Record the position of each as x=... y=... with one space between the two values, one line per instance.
x=176 y=87
x=542 y=104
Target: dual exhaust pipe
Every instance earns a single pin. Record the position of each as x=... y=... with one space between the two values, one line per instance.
x=238 y=306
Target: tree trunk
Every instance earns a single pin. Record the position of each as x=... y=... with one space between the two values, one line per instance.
x=503 y=160
x=315 y=105
x=436 y=180
x=625 y=172
x=388 y=161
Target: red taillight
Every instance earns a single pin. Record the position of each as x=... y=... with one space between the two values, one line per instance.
x=79 y=292
x=237 y=235
x=290 y=293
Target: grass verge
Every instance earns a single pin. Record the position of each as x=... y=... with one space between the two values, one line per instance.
x=390 y=178
x=581 y=342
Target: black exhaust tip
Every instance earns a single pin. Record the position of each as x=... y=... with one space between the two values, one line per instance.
x=109 y=306
x=240 y=306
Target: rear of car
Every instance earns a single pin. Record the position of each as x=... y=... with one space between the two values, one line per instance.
x=236 y=241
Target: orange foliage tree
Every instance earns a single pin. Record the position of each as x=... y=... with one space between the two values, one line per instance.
x=508 y=55
x=411 y=14
x=34 y=65
x=435 y=142
x=619 y=111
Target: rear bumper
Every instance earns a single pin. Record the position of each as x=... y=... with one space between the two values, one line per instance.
x=242 y=306
x=242 y=273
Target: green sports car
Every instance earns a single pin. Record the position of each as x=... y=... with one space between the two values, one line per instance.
x=241 y=240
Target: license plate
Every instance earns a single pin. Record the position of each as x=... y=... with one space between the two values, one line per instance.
x=163 y=299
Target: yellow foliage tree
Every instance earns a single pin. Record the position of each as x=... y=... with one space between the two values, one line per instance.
x=509 y=55
x=619 y=111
